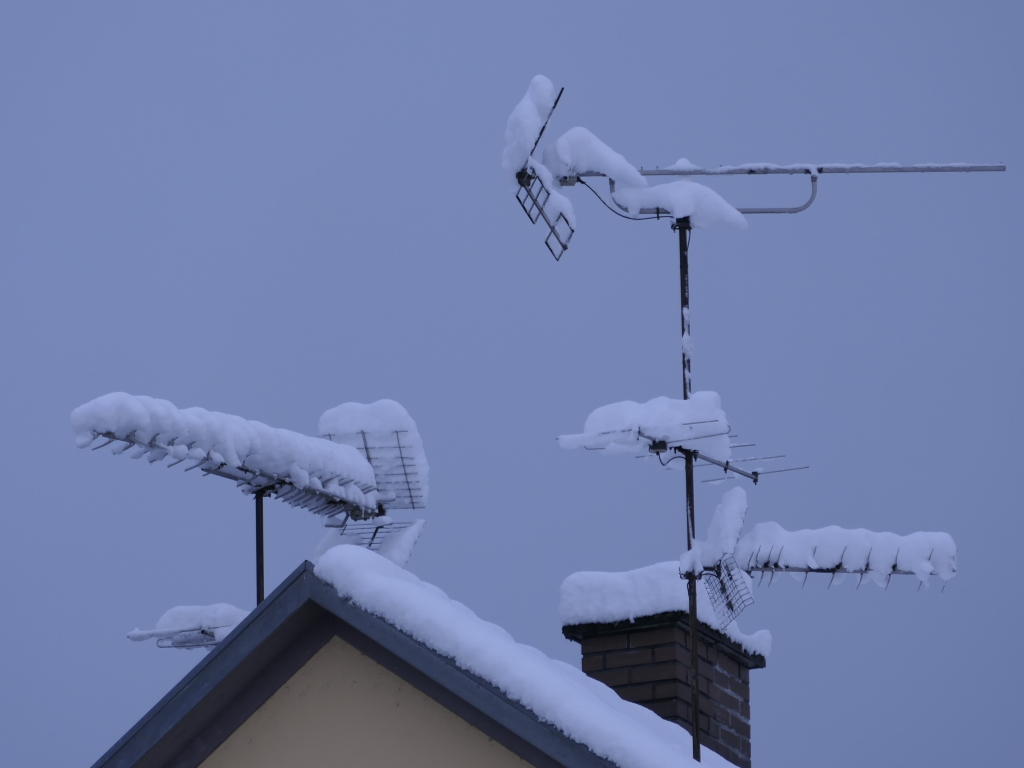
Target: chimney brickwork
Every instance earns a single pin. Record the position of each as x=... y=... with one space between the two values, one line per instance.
x=647 y=661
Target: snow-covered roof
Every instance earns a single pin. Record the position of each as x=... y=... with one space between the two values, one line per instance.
x=583 y=709
x=537 y=707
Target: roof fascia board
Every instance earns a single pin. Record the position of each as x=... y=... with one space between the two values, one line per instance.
x=211 y=673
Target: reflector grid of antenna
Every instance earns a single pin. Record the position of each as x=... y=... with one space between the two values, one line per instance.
x=533 y=196
x=371 y=532
x=727 y=588
x=392 y=455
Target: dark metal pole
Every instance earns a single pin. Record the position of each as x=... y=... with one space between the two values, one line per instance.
x=682 y=226
x=691 y=591
x=259 y=547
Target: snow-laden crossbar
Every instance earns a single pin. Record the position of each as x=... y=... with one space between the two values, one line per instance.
x=386 y=436
x=630 y=428
x=770 y=548
x=303 y=471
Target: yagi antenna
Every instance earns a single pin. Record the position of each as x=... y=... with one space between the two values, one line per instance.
x=335 y=476
x=578 y=155
x=537 y=182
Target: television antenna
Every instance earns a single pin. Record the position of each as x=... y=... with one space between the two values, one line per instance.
x=589 y=158
x=327 y=476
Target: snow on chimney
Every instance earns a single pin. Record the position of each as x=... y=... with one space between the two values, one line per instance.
x=634 y=634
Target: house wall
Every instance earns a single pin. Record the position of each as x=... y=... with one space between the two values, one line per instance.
x=342 y=708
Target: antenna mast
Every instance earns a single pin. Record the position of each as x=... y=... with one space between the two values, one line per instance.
x=682 y=226
x=578 y=155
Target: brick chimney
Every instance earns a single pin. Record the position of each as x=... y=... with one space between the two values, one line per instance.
x=647 y=661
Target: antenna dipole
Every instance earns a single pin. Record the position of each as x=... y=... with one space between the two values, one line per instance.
x=544 y=127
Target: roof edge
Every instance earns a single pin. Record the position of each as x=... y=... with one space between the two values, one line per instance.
x=280 y=635
x=255 y=616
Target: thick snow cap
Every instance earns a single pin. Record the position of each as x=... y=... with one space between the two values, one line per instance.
x=628 y=427
x=923 y=553
x=594 y=597
x=525 y=123
x=682 y=199
x=876 y=555
x=578 y=151
x=161 y=430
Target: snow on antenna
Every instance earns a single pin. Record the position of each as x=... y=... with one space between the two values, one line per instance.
x=536 y=193
x=662 y=426
x=328 y=477
x=386 y=436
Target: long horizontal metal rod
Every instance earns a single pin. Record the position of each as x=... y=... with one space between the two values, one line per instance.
x=813 y=169
x=797 y=569
x=753 y=458
x=727 y=466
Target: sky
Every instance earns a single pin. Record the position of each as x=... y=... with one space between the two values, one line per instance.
x=269 y=209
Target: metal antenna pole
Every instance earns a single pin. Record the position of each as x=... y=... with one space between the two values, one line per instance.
x=259 y=547
x=691 y=591
x=682 y=226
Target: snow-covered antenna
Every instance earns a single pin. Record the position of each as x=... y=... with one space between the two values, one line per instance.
x=662 y=426
x=329 y=477
x=534 y=180
x=192 y=626
x=386 y=436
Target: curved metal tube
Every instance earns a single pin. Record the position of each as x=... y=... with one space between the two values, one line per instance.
x=804 y=207
x=666 y=214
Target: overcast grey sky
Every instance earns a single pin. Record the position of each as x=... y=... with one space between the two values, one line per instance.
x=269 y=209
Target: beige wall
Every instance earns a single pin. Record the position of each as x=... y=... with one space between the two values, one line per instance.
x=344 y=709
